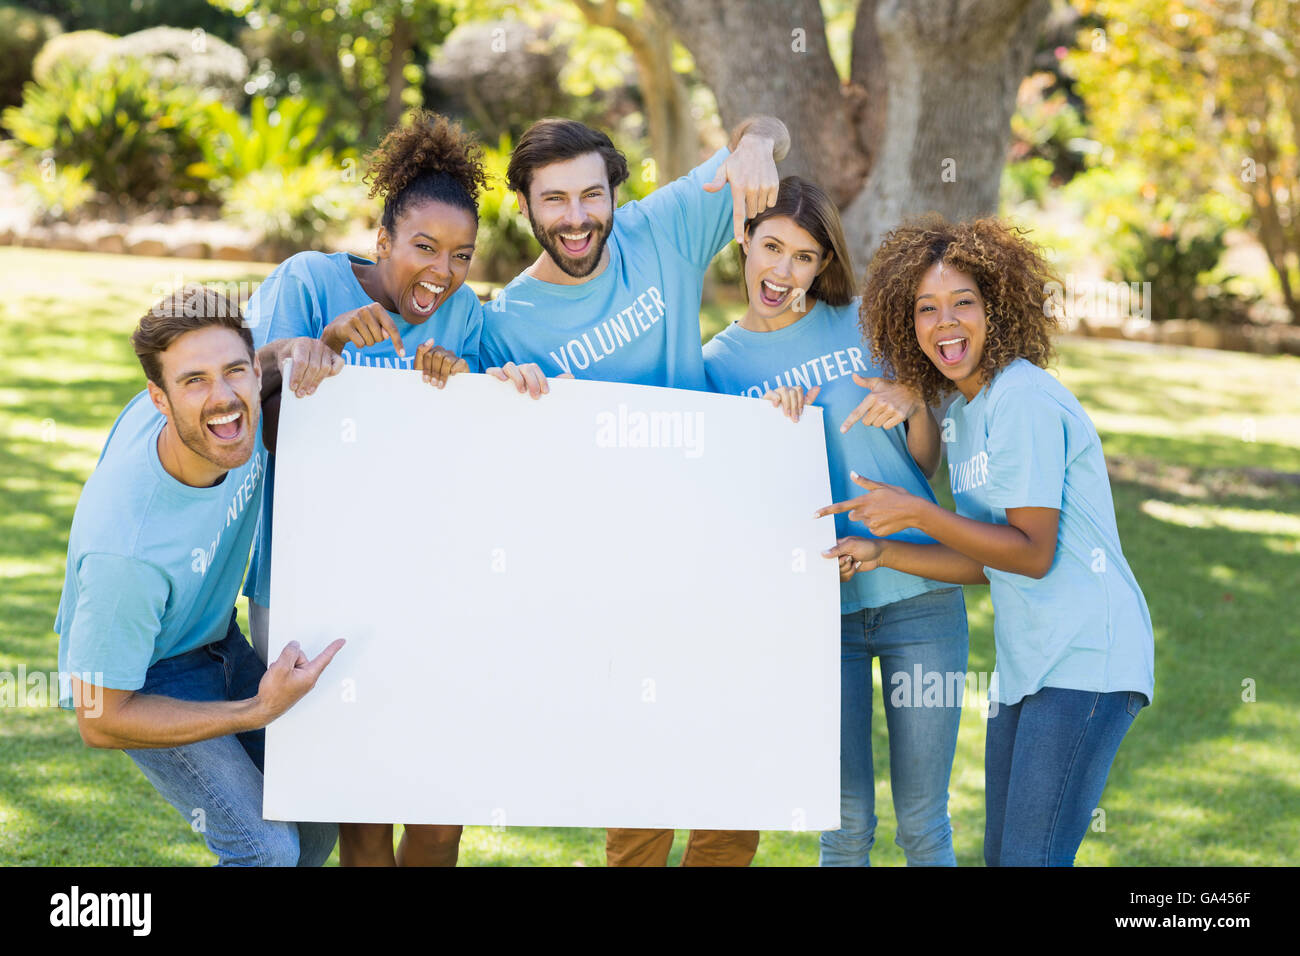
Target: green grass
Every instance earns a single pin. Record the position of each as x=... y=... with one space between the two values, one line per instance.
x=1202 y=444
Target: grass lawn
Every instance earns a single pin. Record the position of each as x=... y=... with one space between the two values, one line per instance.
x=1205 y=451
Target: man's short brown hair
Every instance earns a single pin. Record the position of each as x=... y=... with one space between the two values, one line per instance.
x=189 y=308
x=554 y=140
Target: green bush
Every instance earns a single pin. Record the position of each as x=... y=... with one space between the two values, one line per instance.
x=505 y=239
x=137 y=141
x=54 y=192
x=185 y=57
x=281 y=138
x=294 y=208
x=78 y=48
x=22 y=34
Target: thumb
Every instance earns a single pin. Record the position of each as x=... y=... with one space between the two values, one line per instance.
x=812 y=395
x=565 y=375
x=866 y=482
x=719 y=180
x=288 y=655
x=869 y=382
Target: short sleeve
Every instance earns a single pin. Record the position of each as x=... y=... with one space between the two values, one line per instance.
x=1026 y=447
x=492 y=351
x=472 y=347
x=695 y=222
x=118 y=617
x=282 y=308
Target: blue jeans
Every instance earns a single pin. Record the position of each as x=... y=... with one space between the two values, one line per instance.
x=216 y=784
x=1046 y=759
x=916 y=637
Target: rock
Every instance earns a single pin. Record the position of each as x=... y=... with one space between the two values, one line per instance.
x=192 y=250
x=113 y=242
x=1174 y=332
x=147 y=247
x=1205 y=336
x=67 y=243
x=232 y=253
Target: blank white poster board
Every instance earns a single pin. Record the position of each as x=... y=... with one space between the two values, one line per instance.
x=605 y=607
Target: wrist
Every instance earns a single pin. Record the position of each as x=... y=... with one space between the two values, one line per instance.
x=886 y=552
x=924 y=517
x=252 y=714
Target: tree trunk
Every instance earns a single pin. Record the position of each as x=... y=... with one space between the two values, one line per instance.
x=674 y=141
x=771 y=58
x=402 y=44
x=924 y=123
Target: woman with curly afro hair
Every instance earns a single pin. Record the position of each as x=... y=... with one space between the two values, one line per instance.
x=407 y=309
x=966 y=307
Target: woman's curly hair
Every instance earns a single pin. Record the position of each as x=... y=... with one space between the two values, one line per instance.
x=1013 y=277
x=429 y=158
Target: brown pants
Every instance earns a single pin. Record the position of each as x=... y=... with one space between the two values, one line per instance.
x=704 y=848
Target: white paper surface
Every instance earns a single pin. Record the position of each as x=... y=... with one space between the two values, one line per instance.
x=549 y=623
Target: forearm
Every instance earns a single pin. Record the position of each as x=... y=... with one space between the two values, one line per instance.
x=923 y=441
x=767 y=128
x=150 y=721
x=935 y=561
x=1000 y=546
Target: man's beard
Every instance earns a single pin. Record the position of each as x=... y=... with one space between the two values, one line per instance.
x=577 y=268
x=203 y=443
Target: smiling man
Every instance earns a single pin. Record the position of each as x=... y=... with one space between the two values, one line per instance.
x=615 y=293
x=150 y=654
x=615 y=296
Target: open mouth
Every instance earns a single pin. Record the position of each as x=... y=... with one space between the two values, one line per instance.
x=425 y=297
x=576 y=243
x=773 y=294
x=228 y=427
x=952 y=351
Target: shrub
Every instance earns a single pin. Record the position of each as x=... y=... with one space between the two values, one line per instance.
x=185 y=57
x=78 y=49
x=53 y=191
x=136 y=140
x=22 y=34
x=297 y=207
x=505 y=239
x=280 y=138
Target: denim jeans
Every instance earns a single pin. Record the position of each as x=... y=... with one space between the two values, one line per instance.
x=216 y=784
x=914 y=638
x=1046 y=759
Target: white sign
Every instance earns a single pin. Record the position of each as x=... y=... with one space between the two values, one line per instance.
x=605 y=607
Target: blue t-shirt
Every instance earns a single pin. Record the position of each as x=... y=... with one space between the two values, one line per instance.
x=307 y=292
x=154 y=565
x=1025 y=442
x=638 y=321
x=825 y=348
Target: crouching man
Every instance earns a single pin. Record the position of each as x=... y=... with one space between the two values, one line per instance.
x=150 y=654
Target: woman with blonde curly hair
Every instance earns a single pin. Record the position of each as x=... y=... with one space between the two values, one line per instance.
x=965 y=307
